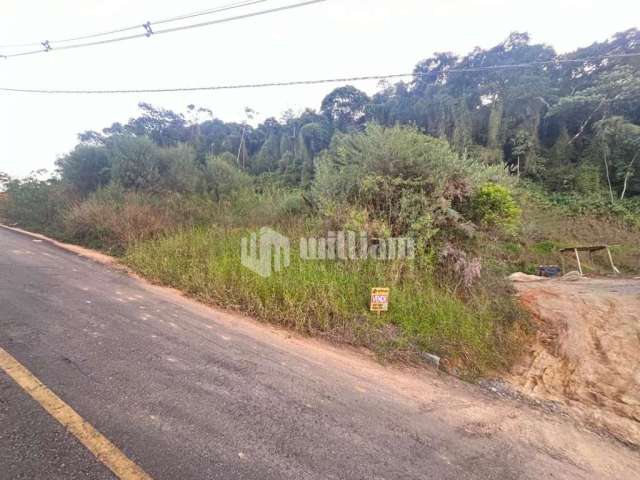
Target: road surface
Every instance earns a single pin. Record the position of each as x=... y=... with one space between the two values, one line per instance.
x=188 y=392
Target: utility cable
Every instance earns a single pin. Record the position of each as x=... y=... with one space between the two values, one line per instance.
x=223 y=8
x=321 y=81
x=51 y=45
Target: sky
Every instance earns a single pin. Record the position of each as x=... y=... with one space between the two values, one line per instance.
x=337 y=38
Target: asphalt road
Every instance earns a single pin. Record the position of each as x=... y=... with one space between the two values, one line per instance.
x=187 y=392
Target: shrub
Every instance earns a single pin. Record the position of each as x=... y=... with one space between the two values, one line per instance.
x=179 y=170
x=139 y=164
x=86 y=168
x=587 y=180
x=401 y=178
x=135 y=162
x=223 y=179
x=37 y=205
x=493 y=205
x=112 y=219
x=293 y=204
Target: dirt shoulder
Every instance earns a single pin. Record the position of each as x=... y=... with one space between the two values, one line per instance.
x=587 y=353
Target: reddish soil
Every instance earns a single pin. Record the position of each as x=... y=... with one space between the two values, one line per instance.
x=587 y=353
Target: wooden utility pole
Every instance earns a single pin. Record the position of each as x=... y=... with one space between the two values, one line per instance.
x=244 y=129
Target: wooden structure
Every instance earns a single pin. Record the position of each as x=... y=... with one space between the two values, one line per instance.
x=590 y=249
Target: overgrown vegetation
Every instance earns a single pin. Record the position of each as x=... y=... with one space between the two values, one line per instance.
x=331 y=298
x=490 y=171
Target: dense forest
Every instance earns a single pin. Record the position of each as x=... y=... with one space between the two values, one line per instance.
x=571 y=122
x=492 y=162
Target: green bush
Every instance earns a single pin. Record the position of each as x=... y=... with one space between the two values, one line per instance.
x=493 y=205
x=37 y=205
x=223 y=179
x=135 y=162
x=179 y=170
x=293 y=204
x=139 y=164
x=587 y=180
x=86 y=168
x=400 y=178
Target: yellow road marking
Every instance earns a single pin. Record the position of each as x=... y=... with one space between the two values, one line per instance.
x=94 y=441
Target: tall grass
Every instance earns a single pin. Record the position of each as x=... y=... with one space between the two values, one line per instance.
x=328 y=298
x=112 y=218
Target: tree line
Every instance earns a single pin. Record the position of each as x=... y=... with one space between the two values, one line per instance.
x=572 y=125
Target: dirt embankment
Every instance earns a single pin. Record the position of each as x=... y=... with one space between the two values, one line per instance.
x=587 y=353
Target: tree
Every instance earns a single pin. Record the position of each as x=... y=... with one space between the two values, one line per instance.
x=621 y=152
x=86 y=168
x=223 y=178
x=542 y=114
x=164 y=127
x=316 y=137
x=518 y=150
x=135 y=162
x=4 y=180
x=345 y=107
x=179 y=170
x=432 y=72
x=37 y=204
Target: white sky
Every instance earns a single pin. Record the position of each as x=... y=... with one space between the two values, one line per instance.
x=333 y=39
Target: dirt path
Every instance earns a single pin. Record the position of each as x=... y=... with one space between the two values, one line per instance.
x=587 y=354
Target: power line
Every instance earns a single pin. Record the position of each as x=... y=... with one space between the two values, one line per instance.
x=223 y=8
x=210 y=11
x=216 y=87
x=322 y=81
x=149 y=31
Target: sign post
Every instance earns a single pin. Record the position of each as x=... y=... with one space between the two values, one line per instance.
x=379 y=300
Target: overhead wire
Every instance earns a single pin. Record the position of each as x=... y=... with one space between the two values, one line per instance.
x=555 y=61
x=148 y=32
x=185 y=16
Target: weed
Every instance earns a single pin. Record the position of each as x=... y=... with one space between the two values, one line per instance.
x=328 y=298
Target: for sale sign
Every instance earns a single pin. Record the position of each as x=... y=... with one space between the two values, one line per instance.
x=379 y=299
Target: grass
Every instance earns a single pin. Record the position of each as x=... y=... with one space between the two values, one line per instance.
x=329 y=298
x=193 y=243
x=474 y=331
